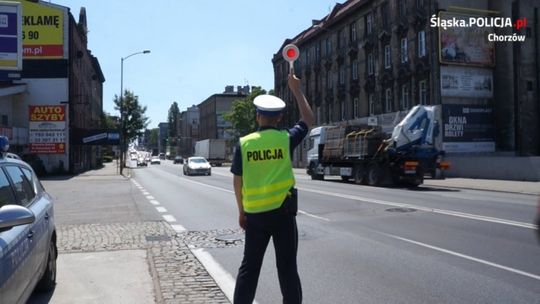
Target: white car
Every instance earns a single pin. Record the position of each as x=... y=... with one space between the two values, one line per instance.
x=197 y=165
x=155 y=160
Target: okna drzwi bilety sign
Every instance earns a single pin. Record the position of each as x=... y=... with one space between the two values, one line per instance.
x=47 y=129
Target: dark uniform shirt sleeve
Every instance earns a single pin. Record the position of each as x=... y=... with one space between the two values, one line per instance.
x=296 y=135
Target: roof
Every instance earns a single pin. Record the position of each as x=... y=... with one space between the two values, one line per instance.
x=340 y=11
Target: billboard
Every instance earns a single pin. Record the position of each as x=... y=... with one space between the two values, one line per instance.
x=10 y=36
x=43 y=31
x=465 y=45
x=47 y=129
x=468 y=128
x=466 y=82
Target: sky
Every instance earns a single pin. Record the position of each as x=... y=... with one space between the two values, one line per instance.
x=197 y=47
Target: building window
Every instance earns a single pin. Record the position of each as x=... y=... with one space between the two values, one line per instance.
x=370 y=64
x=385 y=16
x=341 y=39
x=419 y=3
x=404 y=102
x=352 y=30
x=387 y=57
x=402 y=8
x=318 y=51
x=4 y=121
x=356 y=107
x=329 y=112
x=342 y=74
x=423 y=93
x=317 y=83
x=421 y=44
x=388 y=100
x=404 y=57
x=328 y=46
x=308 y=56
x=342 y=105
x=355 y=69
x=369 y=23
x=318 y=110
x=371 y=103
x=328 y=80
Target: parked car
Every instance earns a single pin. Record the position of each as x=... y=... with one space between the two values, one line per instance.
x=28 y=249
x=155 y=160
x=178 y=160
x=197 y=165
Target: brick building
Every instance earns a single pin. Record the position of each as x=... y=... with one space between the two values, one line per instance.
x=378 y=58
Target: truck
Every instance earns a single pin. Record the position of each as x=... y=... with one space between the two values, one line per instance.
x=370 y=156
x=214 y=150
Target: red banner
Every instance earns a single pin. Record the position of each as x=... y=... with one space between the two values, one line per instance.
x=49 y=148
x=47 y=113
x=43 y=51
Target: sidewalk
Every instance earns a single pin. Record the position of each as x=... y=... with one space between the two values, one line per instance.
x=114 y=247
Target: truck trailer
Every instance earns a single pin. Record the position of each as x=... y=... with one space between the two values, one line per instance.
x=214 y=150
x=369 y=156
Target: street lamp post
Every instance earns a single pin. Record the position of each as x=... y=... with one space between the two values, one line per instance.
x=122 y=109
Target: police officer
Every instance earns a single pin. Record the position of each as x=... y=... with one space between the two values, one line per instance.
x=263 y=186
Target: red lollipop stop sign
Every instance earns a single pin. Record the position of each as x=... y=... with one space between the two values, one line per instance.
x=291 y=53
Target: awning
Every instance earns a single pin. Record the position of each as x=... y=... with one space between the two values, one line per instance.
x=12 y=89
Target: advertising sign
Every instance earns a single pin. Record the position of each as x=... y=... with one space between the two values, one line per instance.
x=466 y=82
x=468 y=128
x=47 y=129
x=466 y=45
x=43 y=31
x=10 y=36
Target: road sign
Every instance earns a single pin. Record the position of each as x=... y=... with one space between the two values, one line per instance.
x=290 y=53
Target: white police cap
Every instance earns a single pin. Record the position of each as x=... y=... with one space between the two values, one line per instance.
x=269 y=104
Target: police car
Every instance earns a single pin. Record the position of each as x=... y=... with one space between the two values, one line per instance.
x=27 y=233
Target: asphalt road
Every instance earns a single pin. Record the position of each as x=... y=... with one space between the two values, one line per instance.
x=362 y=244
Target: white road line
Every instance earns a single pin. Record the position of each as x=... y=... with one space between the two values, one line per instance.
x=224 y=279
x=439 y=211
x=154 y=202
x=178 y=228
x=313 y=215
x=169 y=218
x=470 y=258
x=149 y=197
x=161 y=209
x=145 y=193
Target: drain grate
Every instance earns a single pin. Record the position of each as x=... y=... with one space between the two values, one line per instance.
x=230 y=238
x=401 y=210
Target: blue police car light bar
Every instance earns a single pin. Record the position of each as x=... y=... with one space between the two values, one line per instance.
x=4 y=144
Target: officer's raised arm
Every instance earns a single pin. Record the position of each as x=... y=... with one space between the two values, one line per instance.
x=306 y=114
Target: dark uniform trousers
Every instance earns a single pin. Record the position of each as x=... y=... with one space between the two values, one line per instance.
x=280 y=224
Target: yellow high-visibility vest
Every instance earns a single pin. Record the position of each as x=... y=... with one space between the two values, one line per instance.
x=267 y=174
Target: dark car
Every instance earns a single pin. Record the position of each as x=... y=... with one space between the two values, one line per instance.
x=27 y=233
x=178 y=160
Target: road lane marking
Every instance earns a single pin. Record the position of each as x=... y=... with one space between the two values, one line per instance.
x=149 y=197
x=313 y=215
x=178 y=228
x=154 y=202
x=161 y=209
x=145 y=193
x=439 y=211
x=224 y=279
x=169 y=218
x=470 y=258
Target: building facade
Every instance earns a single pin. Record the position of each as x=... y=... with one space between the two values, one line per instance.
x=378 y=58
x=57 y=92
x=189 y=131
x=212 y=123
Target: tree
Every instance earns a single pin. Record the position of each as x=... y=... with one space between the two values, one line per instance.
x=172 y=119
x=243 y=113
x=110 y=122
x=134 y=120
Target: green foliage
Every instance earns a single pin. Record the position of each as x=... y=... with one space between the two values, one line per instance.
x=134 y=119
x=172 y=119
x=243 y=113
x=109 y=122
x=154 y=137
